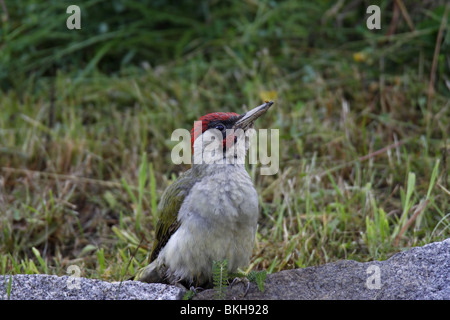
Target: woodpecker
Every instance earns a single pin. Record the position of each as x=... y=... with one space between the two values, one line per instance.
x=210 y=212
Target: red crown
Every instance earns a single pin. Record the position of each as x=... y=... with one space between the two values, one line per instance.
x=215 y=116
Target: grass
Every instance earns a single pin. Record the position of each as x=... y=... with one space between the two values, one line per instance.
x=363 y=153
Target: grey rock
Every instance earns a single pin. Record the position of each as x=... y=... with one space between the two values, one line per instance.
x=416 y=274
x=51 y=287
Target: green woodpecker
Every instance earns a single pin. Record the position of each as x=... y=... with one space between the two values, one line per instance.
x=210 y=212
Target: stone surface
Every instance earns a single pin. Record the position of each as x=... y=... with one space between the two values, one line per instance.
x=50 y=287
x=418 y=273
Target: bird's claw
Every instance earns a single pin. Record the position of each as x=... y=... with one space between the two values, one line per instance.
x=242 y=280
x=196 y=289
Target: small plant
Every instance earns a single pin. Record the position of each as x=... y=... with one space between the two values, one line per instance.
x=258 y=277
x=189 y=294
x=220 y=278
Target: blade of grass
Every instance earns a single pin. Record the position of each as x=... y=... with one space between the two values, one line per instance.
x=39 y=258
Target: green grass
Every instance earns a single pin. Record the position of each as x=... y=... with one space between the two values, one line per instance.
x=364 y=148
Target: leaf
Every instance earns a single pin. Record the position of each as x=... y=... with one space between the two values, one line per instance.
x=433 y=178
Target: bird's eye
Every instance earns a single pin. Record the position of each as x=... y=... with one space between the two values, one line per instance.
x=219 y=127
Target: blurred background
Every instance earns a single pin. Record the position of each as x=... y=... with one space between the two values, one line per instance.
x=86 y=117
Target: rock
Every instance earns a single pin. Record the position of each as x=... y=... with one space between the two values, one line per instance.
x=419 y=273
x=51 y=287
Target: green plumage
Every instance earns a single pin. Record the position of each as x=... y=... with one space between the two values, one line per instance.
x=170 y=205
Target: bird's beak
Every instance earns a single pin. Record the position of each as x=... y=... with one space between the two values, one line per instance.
x=246 y=121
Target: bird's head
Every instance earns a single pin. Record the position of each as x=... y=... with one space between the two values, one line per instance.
x=224 y=135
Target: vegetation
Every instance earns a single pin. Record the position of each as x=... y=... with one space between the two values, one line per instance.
x=86 y=119
x=220 y=278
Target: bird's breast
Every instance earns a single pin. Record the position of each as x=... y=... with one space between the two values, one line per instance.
x=226 y=194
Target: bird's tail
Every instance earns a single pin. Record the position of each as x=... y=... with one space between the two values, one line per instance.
x=148 y=274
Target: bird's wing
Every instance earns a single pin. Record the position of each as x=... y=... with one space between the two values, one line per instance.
x=170 y=205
